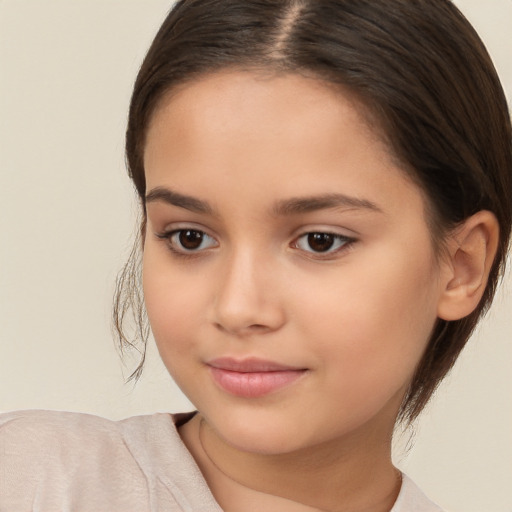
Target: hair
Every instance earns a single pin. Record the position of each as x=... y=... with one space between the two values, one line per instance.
x=417 y=66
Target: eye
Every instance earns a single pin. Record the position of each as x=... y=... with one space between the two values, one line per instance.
x=188 y=240
x=322 y=242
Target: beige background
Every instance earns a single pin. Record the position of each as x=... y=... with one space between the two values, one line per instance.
x=67 y=212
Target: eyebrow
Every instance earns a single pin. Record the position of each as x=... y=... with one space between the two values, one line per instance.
x=295 y=205
x=322 y=202
x=176 y=199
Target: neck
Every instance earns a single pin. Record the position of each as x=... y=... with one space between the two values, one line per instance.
x=353 y=474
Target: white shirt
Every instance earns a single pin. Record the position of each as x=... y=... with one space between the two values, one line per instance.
x=68 y=462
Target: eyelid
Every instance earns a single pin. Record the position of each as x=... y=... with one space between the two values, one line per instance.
x=348 y=242
x=168 y=233
x=174 y=227
x=331 y=229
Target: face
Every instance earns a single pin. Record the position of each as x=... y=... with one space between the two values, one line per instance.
x=289 y=275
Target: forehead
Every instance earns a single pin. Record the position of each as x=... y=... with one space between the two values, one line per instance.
x=272 y=135
x=255 y=100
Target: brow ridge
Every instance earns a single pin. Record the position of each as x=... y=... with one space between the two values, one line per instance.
x=297 y=205
x=180 y=200
x=294 y=205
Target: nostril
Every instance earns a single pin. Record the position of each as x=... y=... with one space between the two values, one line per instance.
x=252 y=328
x=258 y=328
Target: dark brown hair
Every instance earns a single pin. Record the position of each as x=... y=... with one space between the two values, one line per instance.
x=418 y=67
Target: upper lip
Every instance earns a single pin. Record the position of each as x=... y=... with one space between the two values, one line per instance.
x=250 y=365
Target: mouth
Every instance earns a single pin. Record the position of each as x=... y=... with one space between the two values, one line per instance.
x=252 y=378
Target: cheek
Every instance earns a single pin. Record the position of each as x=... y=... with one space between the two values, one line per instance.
x=371 y=323
x=172 y=303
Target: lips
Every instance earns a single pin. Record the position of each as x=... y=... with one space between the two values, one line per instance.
x=252 y=378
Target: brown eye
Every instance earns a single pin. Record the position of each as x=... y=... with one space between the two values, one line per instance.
x=190 y=239
x=321 y=242
x=318 y=242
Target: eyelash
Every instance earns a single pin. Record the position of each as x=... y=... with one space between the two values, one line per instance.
x=170 y=237
x=344 y=241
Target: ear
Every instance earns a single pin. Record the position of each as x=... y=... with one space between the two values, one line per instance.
x=471 y=251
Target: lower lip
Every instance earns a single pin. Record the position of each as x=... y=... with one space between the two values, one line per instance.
x=254 y=384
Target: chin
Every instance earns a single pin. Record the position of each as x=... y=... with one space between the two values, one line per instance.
x=264 y=432
x=261 y=441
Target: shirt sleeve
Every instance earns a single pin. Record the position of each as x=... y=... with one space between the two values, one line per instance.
x=67 y=462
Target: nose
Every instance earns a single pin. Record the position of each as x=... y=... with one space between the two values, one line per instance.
x=247 y=298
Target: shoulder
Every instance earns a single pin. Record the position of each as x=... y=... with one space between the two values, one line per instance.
x=79 y=436
x=48 y=432
x=52 y=457
x=46 y=422
x=36 y=443
x=412 y=498
x=72 y=461
x=42 y=427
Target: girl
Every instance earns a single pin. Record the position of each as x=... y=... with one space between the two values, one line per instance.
x=325 y=188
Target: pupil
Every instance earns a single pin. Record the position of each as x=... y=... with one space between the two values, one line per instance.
x=191 y=239
x=320 y=242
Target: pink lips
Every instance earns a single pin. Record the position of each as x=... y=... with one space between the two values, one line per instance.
x=252 y=378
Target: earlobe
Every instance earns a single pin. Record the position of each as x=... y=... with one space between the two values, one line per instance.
x=472 y=249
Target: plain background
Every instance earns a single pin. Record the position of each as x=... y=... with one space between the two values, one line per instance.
x=67 y=213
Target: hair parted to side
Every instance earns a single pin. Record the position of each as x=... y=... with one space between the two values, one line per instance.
x=418 y=67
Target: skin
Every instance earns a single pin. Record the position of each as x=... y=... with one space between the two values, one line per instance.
x=357 y=318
